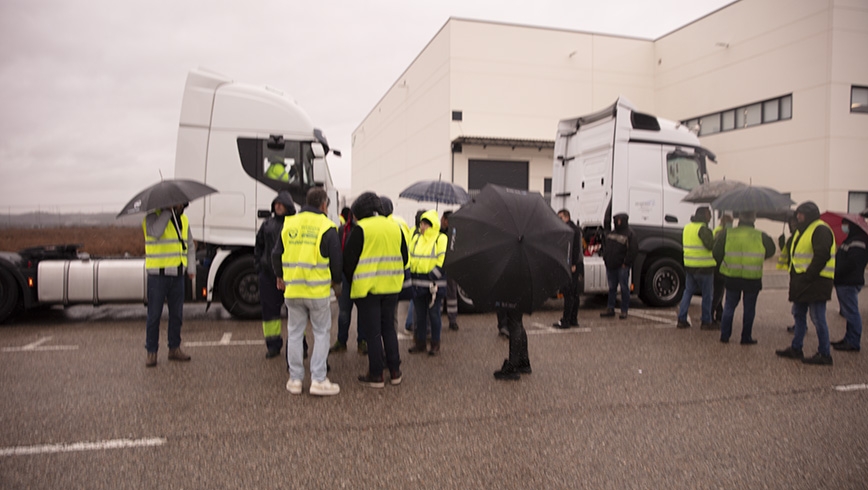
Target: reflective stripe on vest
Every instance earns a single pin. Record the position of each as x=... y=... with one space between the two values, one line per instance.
x=802 y=251
x=744 y=253
x=381 y=267
x=783 y=260
x=306 y=272
x=166 y=252
x=695 y=254
x=427 y=252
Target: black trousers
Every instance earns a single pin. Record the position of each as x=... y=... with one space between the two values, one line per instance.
x=376 y=318
x=571 y=294
x=518 y=355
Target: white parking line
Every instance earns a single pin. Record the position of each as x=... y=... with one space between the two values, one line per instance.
x=37 y=346
x=224 y=341
x=541 y=329
x=646 y=316
x=81 y=446
x=852 y=387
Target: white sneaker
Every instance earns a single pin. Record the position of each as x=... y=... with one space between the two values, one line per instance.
x=324 y=388
x=293 y=386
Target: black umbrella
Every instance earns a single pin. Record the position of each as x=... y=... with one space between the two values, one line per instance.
x=709 y=191
x=436 y=191
x=753 y=198
x=164 y=194
x=508 y=247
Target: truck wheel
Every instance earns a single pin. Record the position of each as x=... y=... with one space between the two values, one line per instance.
x=239 y=289
x=663 y=283
x=8 y=295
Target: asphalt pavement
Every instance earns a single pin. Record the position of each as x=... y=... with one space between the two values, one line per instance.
x=613 y=404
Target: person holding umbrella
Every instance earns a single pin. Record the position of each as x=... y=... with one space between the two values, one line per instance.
x=741 y=252
x=812 y=273
x=850 y=262
x=427 y=252
x=169 y=250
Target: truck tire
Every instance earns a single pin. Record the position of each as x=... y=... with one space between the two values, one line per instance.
x=239 y=289
x=663 y=282
x=8 y=295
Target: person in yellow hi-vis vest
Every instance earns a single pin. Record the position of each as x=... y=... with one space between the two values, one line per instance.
x=307 y=263
x=741 y=252
x=375 y=256
x=719 y=280
x=170 y=254
x=697 y=242
x=812 y=274
x=427 y=252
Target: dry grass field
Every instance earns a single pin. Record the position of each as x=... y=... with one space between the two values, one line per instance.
x=98 y=241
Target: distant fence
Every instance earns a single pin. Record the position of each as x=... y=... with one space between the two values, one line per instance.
x=65 y=215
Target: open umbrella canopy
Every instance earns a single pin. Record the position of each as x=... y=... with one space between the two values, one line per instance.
x=834 y=219
x=508 y=247
x=752 y=198
x=709 y=191
x=436 y=191
x=164 y=194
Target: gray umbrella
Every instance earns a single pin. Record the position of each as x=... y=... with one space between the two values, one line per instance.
x=752 y=198
x=709 y=191
x=164 y=194
x=436 y=191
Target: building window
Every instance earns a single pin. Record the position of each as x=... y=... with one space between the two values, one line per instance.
x=857 y=202
x=767 y=111
x=457 y=115
x=859 y=99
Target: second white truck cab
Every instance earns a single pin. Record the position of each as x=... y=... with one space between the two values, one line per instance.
x=619 y=160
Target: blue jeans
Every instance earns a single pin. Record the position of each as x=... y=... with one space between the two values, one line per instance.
x=408 y=325
x=345 y=314
x=320 y=313
x=169 y=290
x=619 y=276
x=424 y=314
x=729 y=305
x=818 y=316
x=705 y=284
x=848 y=298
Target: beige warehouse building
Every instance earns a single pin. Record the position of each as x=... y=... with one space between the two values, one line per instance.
x=778 y=89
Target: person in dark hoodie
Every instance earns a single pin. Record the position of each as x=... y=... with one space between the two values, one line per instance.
x=571 y=291
x=375 y=257
x=850 y=262
x=270 y=297
x=812 y=272
x=619 y=252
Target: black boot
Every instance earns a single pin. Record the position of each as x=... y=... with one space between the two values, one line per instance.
x=418 y=347
x=507 y=372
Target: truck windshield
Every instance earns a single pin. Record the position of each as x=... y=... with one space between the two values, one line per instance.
x=684 y=171
x=280 y=164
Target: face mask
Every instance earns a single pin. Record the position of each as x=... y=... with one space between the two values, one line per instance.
x=845 y=229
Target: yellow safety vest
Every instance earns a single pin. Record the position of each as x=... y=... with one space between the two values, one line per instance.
x=802 y=252
x=695 y=254
x=381 y=267
x=306 y=272
x=277 y=171
x=744 y=253
x=167 y=253
x=784 y=258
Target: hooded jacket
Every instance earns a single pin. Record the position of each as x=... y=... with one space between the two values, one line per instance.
x=851 y=258
x=423 y=248
x=269 y=233
x=810 y=287
x=620 y=247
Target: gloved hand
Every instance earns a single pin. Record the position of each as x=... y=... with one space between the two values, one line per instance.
x=782 y=241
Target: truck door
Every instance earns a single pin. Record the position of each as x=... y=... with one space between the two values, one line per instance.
x=682 y=171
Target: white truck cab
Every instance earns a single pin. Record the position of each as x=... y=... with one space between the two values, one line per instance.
x=619 y=160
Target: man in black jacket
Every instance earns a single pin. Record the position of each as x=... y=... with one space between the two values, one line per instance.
x=571 y=291
x=812 y=269
x=619 y=252
x=850 y=261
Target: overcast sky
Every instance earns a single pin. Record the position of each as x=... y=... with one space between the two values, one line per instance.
x=90 y=92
